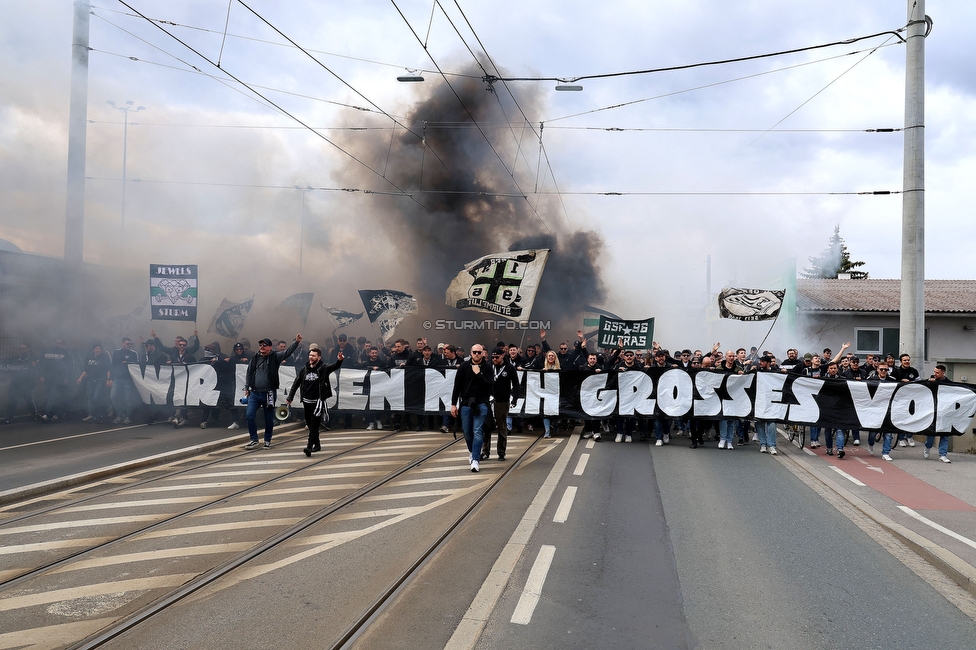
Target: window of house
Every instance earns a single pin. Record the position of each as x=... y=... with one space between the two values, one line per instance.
x=867 y=340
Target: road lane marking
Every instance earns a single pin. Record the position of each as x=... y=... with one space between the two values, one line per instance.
x=52 y=546
x=847 y=476
x=212 y=528
x=138 y=503
x=591 y=443
x=72 y=593
x=533 y=586
x=807 y=451
x=80 y=523
x=581 y=465
x=179 y=552
x=472 y=624
x=565 y=505
x=942 y=529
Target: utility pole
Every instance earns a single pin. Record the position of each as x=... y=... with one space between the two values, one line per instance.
x=912 y=314
x=74 y=216
x=125 y=144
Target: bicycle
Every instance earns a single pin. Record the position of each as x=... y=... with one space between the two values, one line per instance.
x=797 y=434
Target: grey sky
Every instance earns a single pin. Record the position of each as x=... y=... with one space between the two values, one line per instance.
x=209 y=159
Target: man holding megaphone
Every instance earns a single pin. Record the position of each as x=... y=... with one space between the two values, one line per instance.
x=313 y=379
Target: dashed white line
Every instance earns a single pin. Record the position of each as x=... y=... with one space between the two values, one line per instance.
x=590 y=443
x=581 y=465
x=565 y=505
x=847 y=476
x=533 y=586
x=942 y=529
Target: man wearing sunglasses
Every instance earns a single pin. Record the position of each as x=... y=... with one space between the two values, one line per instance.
x=472 y=392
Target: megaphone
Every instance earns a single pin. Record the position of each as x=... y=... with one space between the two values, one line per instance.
x=282 y=412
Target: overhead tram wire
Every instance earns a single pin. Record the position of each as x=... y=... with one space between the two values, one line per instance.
x=342 y=81
x=714 y=84
x=541 y=192
x=279 y=108
x=525 y=118
x=814 y=95
x=279 y=44
x=473 y=120
x=197 y=71
x=688 y=66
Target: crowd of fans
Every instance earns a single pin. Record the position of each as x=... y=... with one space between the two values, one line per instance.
x=95 y=383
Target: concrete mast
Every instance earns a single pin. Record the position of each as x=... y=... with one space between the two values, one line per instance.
x=912 y=319
x=74 y=217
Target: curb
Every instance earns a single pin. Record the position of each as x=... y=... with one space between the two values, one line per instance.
x=63 y=482
x=957 y=569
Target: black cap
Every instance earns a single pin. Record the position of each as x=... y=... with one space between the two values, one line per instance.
x=660 y=353
x=342 y=337
x=766 y=358
x=264 y=342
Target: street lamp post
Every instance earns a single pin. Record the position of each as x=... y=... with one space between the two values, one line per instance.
x=125 y=136
x=301 y=236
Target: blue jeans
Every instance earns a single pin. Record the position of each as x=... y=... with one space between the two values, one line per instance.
x=726 y=430
x=254 y=401
x=814 y=434
x=886 y=444
x=473 y=422
x=839 y=435
x=943 y=444
x=767 y=432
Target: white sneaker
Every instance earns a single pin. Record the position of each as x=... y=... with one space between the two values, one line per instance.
x=857 y=443
x=871 y=449
x=911 y=442
x=763 y=449
x=371 y=426
x=379 y=425
x=667 y=438
x=628 y=439
x=886 y=457
x=619 y=438
x=721 y=444
x=772 y=451
x=925 y=453
x=474 y=466
x=596 y=436
x=901 y=443
x=234 y=425
x=658 y=444
x=945 y=459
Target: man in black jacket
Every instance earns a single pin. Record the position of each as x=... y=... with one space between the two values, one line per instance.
x=262 y=388
x=504 y=389
x=313 y=379
x=472 y=390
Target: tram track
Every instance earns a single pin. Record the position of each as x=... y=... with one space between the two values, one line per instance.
x=50 y=565
x=145 y=613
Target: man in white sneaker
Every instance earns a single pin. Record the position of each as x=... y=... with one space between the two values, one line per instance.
x=472 y=391
x=937 y=377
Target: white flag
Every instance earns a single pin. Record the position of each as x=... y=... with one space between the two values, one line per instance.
x=503 y=284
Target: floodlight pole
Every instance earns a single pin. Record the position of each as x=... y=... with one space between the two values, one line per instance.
x=74 y=214
x=912 y=313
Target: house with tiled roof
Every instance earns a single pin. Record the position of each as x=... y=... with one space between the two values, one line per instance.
x=866 y=312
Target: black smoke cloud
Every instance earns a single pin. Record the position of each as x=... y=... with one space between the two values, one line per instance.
x=469 y=203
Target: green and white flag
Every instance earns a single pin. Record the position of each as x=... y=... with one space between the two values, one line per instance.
x=629 y=334
x=173 y=291
x=503 y=284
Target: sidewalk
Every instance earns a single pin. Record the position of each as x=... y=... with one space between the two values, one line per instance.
x=928 y=504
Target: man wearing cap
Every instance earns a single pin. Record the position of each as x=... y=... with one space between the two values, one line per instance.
x=262 y=386
x=505 y=388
